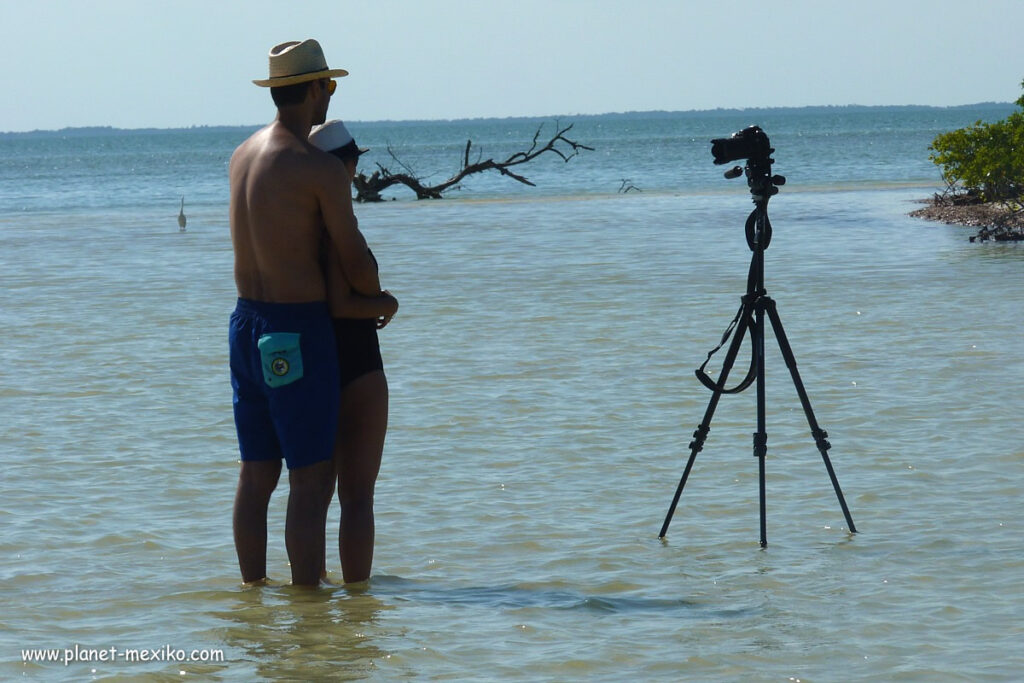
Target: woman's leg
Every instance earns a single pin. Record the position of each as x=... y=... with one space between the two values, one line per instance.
x=328 y=498
x=362 y=425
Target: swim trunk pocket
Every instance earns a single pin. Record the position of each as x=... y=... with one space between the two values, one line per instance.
x=281 y=357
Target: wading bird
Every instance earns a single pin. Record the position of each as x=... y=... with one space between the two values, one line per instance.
x=181 y=216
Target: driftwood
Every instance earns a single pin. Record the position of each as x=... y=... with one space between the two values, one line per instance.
x=368 y=189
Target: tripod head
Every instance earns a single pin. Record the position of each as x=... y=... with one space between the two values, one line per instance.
x=753 y=145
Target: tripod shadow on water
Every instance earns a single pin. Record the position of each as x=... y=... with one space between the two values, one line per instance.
x=513 y=596
x=349 y=633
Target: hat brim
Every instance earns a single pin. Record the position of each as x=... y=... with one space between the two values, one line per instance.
x=348 y=152
x=300 y=78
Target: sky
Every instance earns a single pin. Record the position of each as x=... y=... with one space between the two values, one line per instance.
x=180 y=63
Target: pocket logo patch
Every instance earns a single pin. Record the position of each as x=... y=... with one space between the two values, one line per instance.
x=281 y=357
x=280 y=367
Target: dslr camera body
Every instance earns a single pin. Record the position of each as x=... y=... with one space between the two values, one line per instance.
x=749 y=143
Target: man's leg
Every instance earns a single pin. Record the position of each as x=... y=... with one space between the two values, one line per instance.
x=304 y=528
x=256 y=482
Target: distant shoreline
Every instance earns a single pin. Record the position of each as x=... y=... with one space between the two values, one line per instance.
x=651 y=114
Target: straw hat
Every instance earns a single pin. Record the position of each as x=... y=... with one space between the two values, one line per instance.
x=334 y=137
x=297 y=62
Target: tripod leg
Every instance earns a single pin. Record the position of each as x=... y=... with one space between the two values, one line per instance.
x=701 y=434
x=761 y=437
x=820 y=435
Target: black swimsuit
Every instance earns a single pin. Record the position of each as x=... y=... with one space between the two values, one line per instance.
x=358 y=346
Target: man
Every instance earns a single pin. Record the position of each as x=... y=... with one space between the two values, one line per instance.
x=284 y=371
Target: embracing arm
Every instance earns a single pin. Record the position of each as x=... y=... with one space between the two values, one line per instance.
x=355 y=305
x=336 y=208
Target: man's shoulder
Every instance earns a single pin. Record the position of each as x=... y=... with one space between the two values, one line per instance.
x=319 y=168
x=249 y=149
x=287 y=150
x=272 y=152
x=277 y=156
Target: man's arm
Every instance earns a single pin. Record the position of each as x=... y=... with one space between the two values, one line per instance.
x=340 y=221
x=358 y=306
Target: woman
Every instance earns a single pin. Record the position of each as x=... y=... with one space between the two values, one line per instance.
x=363 y=418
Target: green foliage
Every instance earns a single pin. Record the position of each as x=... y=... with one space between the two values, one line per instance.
x=985 y=158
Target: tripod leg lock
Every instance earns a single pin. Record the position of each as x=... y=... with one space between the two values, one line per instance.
x=699 y=437
x=821 y=438
x=760 y=445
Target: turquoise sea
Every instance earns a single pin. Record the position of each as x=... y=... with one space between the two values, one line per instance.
x=542 y=399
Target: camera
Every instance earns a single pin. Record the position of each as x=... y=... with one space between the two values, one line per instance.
x=749 y=143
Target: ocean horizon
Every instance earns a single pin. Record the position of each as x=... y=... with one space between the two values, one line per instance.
x=654 y=113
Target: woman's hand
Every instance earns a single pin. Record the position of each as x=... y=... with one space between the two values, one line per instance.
x=383 y=320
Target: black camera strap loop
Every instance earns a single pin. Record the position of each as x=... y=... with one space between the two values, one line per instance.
x=751 y=228
x=759 y=233
x=711 y=384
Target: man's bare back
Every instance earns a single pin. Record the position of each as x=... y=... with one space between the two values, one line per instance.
x=283 y=196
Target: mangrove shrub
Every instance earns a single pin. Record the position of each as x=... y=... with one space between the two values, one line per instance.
x=984 y=159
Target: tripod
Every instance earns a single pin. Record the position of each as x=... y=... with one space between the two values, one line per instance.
x=755 y=304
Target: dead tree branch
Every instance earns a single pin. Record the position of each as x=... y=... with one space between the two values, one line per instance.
x=369 y=188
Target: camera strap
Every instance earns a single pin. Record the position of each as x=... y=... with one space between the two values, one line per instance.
x=751 y=373
x=759 y=234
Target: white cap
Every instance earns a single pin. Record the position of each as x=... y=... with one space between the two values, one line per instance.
x=333 y=136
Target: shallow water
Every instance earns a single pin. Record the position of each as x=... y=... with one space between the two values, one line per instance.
x=541 y=373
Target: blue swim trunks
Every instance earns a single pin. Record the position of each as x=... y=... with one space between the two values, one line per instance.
x=284 y=372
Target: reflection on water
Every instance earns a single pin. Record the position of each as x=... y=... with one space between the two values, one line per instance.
x=328 y=633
